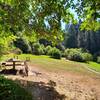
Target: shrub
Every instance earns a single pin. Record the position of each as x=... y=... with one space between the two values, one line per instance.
x=43 y=48
x=60 y=47
x=1 y=50
x=87 y=57
x=55 y=53
x=73 y=54
x=4 y=49
x=78 y=55
x=63 y=54
x=17 y=51
x=23 y=44
x=98 y=59
x=38 y=49
x=47 y=49
x=96 y=55
x=9 y=90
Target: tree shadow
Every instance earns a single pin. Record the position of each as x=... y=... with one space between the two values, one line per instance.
x=20 y=72
x=8 y=72
x=41 y=90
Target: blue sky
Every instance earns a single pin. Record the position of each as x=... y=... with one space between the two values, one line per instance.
x=73 y=12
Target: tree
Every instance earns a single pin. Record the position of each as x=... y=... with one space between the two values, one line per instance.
x=89 y=12
x=5 y=42
x=31 y=15
x=33 y=19
x=76 y=38
x=42 y=18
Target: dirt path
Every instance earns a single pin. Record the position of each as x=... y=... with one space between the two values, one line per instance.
x=47 y=85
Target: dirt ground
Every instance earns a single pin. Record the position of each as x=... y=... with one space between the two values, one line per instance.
x=59 y=85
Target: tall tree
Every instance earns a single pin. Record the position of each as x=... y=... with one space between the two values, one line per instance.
x=89 y=12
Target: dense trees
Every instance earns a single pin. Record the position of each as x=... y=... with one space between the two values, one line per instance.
x=35 y=19
x=89 y=12
x=75 y=38
x=32 y=15
x=44 y=16
x=32 y=18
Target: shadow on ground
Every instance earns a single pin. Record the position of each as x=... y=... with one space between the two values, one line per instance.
x=41 y=90
x=8 y=72
x=13 y=72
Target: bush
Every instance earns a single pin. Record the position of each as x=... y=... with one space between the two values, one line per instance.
x=47 y=49
x=23 y=45
x=4 y=49
x=43 y=49
x=87 y=57
x=73 y=54
x=1 y=50
x=96 y=55
x=38 y=49
x=55 y=53
x=78 y=55
x=17 y=51
x=9 y=90
x=98 y=59
x=63 y=54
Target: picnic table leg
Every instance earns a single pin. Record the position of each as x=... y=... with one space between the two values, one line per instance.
x=13 y=65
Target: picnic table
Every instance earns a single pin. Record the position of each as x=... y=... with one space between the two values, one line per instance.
x=14 y=61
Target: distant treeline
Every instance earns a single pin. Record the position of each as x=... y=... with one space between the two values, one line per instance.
x=75 y=38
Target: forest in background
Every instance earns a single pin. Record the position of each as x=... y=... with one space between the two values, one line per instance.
x=25 y=24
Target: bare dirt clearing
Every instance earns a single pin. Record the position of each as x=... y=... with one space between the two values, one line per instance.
x=59 y=85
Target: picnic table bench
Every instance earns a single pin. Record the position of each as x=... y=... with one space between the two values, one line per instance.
x=15 y=62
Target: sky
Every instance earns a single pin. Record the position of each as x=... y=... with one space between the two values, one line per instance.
x=63 y=25
x=75 y=16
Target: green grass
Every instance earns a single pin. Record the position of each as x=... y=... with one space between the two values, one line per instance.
x=9 y=90
x=95 y=66
x=51 y=64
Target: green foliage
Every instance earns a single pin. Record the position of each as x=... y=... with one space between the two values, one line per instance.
x=23 y=44
x=87 y=57
x=17 y=51
x=94 y=66
x=47 y=49
x=28 y=16
x=5 y=42
x=78 y=55
x=88 y=10
x=38 y=49
x=74 y=37
x=1 y=49
x=55 y=53
x=70 y=53
x=98 y=59
x=9 y=90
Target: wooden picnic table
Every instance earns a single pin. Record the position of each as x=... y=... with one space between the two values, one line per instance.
x=14 y=61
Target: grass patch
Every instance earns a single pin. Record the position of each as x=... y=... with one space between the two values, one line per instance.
x=9 y=90
x=95 y=66
x=51 y=64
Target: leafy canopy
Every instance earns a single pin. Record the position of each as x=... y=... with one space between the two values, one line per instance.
x=42 y=18
x=89 y=12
